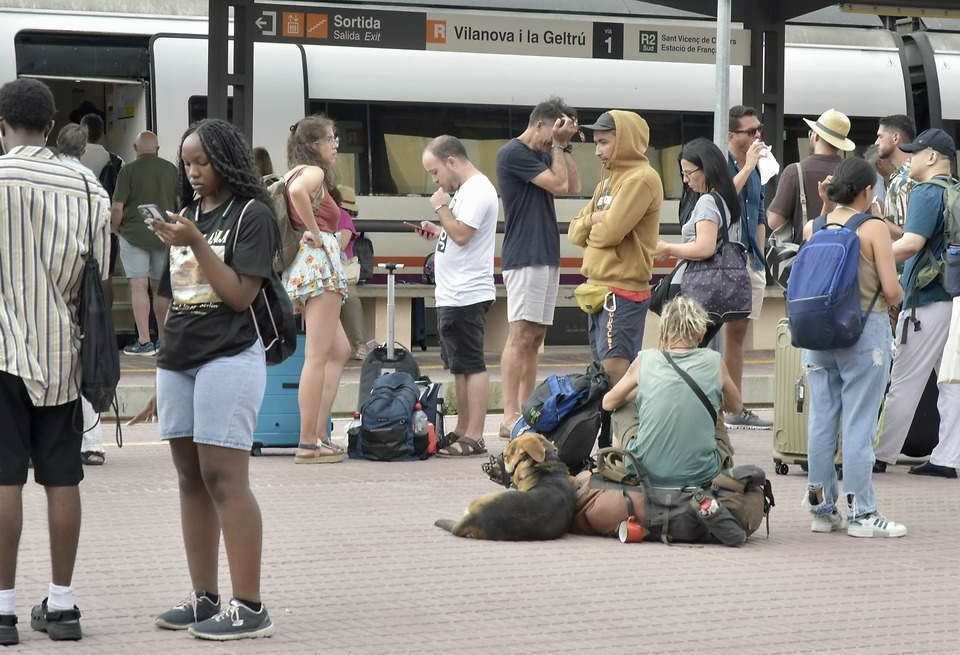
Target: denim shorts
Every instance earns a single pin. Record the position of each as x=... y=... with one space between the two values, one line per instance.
x=217 y=403
x=624 y=338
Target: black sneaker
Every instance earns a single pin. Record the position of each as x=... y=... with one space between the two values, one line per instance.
x=192 y=610
x=60 y=625
x=8 y=630
x=237 y=621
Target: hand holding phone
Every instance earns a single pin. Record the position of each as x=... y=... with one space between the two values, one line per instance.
x=151 y=212
x=426 y=229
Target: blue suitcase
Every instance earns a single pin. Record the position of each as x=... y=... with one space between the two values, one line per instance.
x=278 y=423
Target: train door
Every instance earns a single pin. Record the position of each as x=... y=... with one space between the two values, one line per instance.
x=92 y=73
x=179 y=71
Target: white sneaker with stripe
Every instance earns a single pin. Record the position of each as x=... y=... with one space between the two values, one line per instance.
x=875 y=525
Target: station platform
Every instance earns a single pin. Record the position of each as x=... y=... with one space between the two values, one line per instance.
x=137 y=377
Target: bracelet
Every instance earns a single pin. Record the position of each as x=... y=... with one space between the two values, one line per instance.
x=437 y=210
x=567 y=148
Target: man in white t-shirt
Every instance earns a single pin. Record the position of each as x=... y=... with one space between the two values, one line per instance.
x=463 y=263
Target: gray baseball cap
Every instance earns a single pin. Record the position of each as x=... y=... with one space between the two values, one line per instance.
x=605 y=123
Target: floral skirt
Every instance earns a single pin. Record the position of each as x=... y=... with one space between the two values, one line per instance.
x=314 y=271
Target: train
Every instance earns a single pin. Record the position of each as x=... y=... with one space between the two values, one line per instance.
x=145 y=67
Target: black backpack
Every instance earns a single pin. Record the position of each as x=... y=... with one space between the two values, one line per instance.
x=99 y=357
x=363 y=251
x=429 y=270
x=386 y=432
x=109 y=174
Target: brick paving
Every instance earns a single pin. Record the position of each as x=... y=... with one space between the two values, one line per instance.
x=353 y=564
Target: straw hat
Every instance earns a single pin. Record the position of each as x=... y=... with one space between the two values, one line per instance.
x=348 y=198
x=833 y=127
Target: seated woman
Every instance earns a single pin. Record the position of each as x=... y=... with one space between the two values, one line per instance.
x=676 y=441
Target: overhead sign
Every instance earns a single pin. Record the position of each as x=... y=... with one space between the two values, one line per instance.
x=334 y=26
x=494 y=34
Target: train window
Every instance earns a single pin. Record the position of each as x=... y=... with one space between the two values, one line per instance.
x=82 y=55
x=197 y=109
x=381 y=143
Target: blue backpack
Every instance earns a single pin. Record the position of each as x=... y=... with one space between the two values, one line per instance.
x=386 y=430
x=823 y=292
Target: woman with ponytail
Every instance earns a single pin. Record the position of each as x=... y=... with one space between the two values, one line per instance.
x=847 y=384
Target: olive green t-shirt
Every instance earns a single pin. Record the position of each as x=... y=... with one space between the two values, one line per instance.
x=146 y=180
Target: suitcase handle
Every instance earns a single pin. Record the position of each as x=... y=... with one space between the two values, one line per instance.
x=290 y=385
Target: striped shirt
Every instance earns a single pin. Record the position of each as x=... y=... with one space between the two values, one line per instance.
x=45 y=233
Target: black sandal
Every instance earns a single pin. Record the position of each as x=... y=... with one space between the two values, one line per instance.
x=463 y=447
x=89 y=458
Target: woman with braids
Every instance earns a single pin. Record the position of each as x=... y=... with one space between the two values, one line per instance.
x=676 y=441
x=211 y=374
x=316 y=283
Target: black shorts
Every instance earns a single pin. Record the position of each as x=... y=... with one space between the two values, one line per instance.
x=50 y=437
x=461 y=332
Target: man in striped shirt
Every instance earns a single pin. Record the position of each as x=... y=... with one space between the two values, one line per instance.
x=48 y=223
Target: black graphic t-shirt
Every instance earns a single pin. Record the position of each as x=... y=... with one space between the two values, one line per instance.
x=201 y=327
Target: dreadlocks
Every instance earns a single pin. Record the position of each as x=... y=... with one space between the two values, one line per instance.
x=682 y=323
x=231 y=158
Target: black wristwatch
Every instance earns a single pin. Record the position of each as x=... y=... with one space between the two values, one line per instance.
x=567 y=148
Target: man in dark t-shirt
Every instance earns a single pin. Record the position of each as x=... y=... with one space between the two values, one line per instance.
x=828 y=136
x=532 y=169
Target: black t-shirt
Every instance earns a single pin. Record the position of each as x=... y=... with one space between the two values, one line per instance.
x=531 y=236
x=201 y=327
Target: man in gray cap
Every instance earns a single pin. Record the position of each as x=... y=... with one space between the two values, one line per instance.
x=925 y=316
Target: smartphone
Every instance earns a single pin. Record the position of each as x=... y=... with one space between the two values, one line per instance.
x=419 y=228
x=153 y=213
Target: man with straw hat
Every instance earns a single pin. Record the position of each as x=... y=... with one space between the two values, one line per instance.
x=828 y=136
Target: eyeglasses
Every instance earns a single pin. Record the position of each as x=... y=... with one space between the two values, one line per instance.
x=752 y=131
x=333 y=140
x=687 y=174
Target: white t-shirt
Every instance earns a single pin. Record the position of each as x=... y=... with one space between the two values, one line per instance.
x=95 y=157
x=464 y=274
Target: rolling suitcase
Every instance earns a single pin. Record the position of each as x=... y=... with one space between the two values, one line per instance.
x=387 y=358
x=791 y=405
x=278 y=421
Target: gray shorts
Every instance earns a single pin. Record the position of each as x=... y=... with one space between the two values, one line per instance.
x=624 y=338
x=138 y=262
x=217 y=403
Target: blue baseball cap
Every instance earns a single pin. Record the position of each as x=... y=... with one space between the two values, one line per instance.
x=933 y=138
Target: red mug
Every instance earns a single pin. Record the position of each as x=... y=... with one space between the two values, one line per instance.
x=631 y=531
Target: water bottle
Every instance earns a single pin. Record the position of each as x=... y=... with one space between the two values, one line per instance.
x=431 y=438
x=354 y=422
x=419 y=420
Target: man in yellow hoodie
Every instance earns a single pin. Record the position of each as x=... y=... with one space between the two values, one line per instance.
x=618 y=230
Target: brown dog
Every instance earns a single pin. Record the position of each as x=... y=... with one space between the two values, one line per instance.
x=540 y=506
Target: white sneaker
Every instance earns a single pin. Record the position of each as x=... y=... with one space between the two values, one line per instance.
x=827 y=522
x=874 y=525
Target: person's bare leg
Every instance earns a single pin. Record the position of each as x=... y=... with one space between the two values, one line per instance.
x=63 y=517
x=735 y=335
x=615 y=368
x=321 y=315
x=199 y=520
x=11 y=525
x=511 y=369
x=140 y=301
x=160 y=307
x=337 y=359
x=463 y=406
x=477 y=394
x=531 y=340
x=226 y=476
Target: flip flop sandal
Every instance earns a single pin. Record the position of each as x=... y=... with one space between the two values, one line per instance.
x=93 y=458
x=463 y=447
x=333 y=455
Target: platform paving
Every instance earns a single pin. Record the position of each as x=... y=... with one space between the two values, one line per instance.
x=353 y=564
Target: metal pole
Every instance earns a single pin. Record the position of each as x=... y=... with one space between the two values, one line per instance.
x=722 y=75
x=218 y=20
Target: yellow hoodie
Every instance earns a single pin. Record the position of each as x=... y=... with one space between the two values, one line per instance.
x=618 y=251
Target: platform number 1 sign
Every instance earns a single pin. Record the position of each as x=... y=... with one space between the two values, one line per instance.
x=608 y=40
